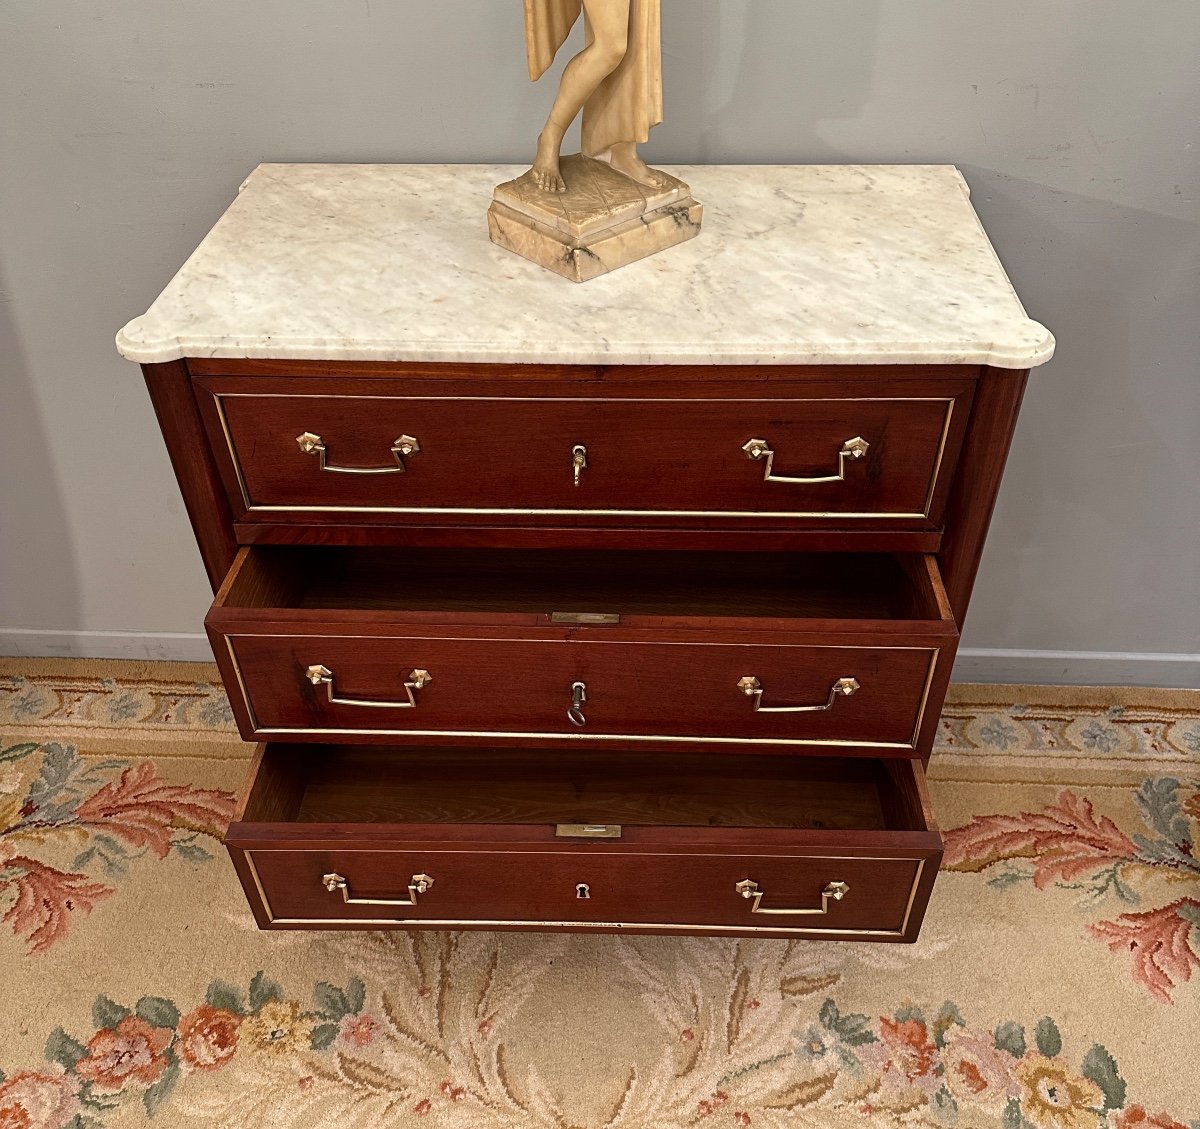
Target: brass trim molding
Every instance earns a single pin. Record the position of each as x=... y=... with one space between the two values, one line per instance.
x=579 y=734
x=659 y=926
x=256 y=508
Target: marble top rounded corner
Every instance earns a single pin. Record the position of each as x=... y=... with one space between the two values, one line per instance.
x=134 y=345
x=1039 y=349
x=795 y=265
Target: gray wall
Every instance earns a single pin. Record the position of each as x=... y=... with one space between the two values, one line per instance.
x=126 y=126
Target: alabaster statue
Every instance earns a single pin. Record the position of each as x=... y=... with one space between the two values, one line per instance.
x=616 y=80
x=589 y=213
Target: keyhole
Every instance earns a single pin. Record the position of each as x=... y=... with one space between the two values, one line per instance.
x=583 y=891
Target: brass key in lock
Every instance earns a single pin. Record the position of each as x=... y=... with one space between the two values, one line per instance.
x=579 y=461
x=578 y=697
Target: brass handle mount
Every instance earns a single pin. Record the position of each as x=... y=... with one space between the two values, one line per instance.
x=320 y=675
x=753 y=688
x=759 y=450
x=419 y=884
x=834 y=892
x=312 y=444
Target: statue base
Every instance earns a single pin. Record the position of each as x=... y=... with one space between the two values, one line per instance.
x=602 y=222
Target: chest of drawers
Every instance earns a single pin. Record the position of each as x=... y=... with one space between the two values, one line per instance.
x=622 y=607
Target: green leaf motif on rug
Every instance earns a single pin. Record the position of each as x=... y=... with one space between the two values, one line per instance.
x=1011 y=1037
x=107 y=1013
x=157 y=1012
x=157 y=1094
x=262 y=990
x=1046 y=1034
x=225 y=996
x=64 y=1050
x=1100 y=1067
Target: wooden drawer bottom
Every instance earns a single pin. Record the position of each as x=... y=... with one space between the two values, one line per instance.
x=343 y=837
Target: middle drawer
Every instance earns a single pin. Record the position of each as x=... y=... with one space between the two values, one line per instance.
x=767 y=652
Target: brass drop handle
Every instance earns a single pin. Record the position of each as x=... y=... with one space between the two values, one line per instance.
x=417 y=885
x=578 y=697
x=417 y=680
x=752 y=688
x=579 y=461
x=312 y=444
x=758 y=450
x=834 y=891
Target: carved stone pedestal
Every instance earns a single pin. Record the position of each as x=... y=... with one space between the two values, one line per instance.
x=603 y=221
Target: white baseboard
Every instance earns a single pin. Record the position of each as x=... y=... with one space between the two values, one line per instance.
x=1078 y=668
x=975 y=664
x=177 y=646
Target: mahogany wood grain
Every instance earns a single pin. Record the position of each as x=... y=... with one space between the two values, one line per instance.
x=500 y=453
x=977 y=485
x=630 y=583
x=692 y=823
x=457 y=373
x=658 y=877
x=689 y=630
x=519 y=689
x=204 y=497
x=689 y=538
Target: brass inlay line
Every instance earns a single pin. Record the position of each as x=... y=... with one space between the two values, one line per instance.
x=220 y=397
x=580 y=735
x=272 y=919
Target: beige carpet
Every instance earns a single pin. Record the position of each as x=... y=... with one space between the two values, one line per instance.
x=1053 y=986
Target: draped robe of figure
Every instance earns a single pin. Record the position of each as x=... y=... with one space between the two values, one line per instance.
x=628 y=103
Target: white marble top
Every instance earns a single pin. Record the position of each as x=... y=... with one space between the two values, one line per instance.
x=837 y=264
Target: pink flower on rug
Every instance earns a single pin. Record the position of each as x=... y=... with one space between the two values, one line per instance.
x=1135 y=1117
x=976 y=1073
x=207 y=1037
x=358 y=1030
x=905 y=1056
x=1065 y=840
x=1160 y=942
x=143 y=810
x=38 y=1100
x=46 y=899
x=132 y=1052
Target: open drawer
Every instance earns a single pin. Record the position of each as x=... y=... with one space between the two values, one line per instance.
x=346 y=837
x=713 y=651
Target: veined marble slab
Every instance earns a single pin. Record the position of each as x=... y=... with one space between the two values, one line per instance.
x=822 y=264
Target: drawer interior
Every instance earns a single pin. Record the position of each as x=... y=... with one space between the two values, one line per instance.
x=352 y=784
x=859 y=586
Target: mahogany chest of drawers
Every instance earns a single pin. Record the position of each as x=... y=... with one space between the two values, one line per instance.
x=622 y=607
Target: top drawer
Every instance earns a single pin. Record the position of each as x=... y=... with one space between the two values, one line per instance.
x=332 y=450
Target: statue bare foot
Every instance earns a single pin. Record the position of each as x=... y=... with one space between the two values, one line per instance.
x=546 y=172
x=625 y=160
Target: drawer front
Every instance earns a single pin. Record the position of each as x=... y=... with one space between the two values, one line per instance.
x=719 y=694
x=395 y=458
x=705 y=892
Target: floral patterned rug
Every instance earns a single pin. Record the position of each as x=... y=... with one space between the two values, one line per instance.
x=1056 y=984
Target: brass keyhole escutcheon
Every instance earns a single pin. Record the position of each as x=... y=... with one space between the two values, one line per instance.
x=583 y=891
